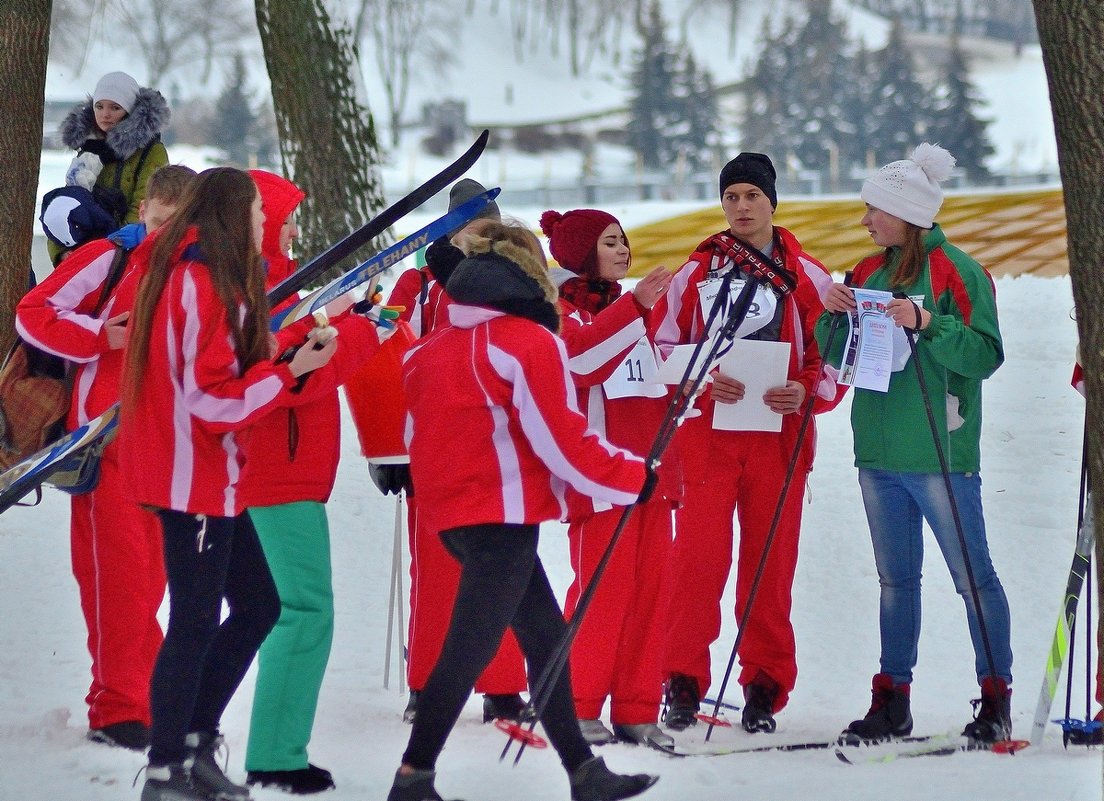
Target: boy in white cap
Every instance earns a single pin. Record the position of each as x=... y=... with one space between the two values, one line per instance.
x=947 y=301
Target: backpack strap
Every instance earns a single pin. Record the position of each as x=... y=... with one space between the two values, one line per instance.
x=141 y=163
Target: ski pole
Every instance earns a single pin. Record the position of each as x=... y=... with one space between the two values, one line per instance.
x=680 y=403
x=806 y=417
x=395 y=598
x=910 y=334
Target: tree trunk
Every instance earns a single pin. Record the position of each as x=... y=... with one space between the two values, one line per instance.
x=327 y=135
x=26 y=27
x=1070 y=34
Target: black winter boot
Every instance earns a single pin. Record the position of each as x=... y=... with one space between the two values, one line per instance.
x=683 y=702
x=171 y=783
x=593 y=781
x=303 y=781
x=507 y=706
x=207 y=774
x=759 y=698
x=415 y=786
x=889 y=714
x=993 y=721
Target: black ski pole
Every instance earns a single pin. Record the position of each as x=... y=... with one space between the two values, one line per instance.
x=806 y=416
x=910 y=334
x=683 y=398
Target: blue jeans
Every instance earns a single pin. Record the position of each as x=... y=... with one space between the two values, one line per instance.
x=897 y=504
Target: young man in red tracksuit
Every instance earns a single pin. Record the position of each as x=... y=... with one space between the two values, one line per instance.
x=434 y=572
x=618 y=653
x=741 y=471
x=512 y=439
x=115 y=544
x=291 y=457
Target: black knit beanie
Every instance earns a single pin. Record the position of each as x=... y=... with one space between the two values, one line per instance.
x=751 y=168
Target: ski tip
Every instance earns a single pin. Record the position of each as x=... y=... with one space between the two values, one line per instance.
x=842 y=757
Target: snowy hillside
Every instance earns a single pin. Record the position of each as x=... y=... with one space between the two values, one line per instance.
x=1031 y=454
x=499 y=88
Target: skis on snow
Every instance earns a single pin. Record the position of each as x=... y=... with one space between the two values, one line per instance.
x=337 y=252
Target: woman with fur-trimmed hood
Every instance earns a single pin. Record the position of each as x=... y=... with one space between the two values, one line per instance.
x=495 y=436
x=117 y=135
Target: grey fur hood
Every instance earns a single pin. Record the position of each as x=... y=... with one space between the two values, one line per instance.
x=141 y=126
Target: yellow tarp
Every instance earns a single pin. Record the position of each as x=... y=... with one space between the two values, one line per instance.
x=1009 y=233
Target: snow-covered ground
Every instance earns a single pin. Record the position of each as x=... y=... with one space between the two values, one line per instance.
x=1031 y=453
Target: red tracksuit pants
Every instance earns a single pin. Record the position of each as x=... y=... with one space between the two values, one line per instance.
x=618 y=651
x=742 y=472
x=120 y=570
x=434 y=580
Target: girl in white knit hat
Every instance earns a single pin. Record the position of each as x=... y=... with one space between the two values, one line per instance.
x=117 y=135
x=908 y=465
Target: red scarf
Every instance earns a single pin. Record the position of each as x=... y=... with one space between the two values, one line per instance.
x=590 y=294
x=770 y=272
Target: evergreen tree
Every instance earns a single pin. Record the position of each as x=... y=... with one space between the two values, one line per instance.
x=650 y=106
x=693 y=127
x=955 y=123
x=826 y=70
x=768 y=125
x=234 y=117
x=901 y=108
x=858 y=97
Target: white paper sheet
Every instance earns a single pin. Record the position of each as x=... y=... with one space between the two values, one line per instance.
x=759 y=366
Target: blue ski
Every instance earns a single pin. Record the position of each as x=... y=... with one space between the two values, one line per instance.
x=382 y=260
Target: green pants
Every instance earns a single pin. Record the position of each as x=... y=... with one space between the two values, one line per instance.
x=292 y=660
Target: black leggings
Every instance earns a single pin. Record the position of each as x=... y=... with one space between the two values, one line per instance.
x=202 y=661
x=502 y=584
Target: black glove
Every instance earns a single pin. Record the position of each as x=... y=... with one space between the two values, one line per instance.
x=391 y=479
x=100 y=148
x=441 y=258
x=651 y=481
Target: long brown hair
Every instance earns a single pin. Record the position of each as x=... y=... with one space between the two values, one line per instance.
x=912 y=257
x=218 y=204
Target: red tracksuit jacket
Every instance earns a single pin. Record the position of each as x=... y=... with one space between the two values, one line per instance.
x=493 y=430
x=179 y=442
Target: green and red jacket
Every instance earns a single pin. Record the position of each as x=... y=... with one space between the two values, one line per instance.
x=960 y=347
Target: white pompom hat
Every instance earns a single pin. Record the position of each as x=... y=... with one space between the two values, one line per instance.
x=909 y=188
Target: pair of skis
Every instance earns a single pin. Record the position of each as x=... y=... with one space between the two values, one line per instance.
x=27 y=475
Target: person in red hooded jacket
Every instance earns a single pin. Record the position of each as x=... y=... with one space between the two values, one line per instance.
x=618 y=653
x=115 y=544
x=434 y=572
x=285 y=483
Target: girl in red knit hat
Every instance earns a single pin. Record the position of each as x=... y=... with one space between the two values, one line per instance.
x=617 y=652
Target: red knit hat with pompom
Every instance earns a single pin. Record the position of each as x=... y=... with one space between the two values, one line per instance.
x=573 y=237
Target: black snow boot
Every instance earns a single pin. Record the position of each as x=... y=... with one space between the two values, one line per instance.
x=171 y=783
x=889 y=714
x=993 y=721
x=593 y=781
x=683 y=702
x=759 y=698
x=302 y=781
x=207 y=774
x=415 y=786
x=507 y=706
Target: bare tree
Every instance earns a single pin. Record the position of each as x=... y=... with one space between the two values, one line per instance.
x=25 y=40
x=166 y=34
x=400 y=33
x=327 y=135
x=1070 y=34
